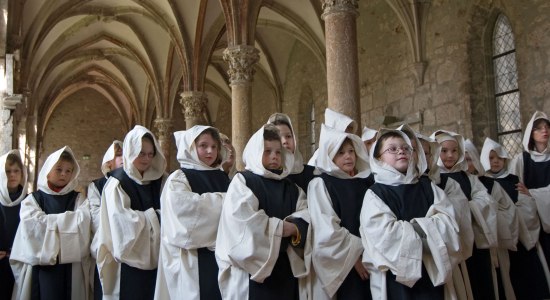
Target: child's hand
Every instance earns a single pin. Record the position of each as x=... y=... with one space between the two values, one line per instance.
x=521 y=188
x=3 y=254
x=363 y=273
x=289 y=229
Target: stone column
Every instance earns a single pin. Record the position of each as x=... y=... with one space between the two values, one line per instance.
x=194 y=106
x=342 y=62
x=241 y=59
x=164 y=135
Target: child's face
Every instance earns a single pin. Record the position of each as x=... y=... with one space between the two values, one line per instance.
x=61 y=174
x=345 y=158
x=271 y=158
x=541 y=131
x=427 y=149
x=145 y=157
x=207 y=149
x=396 y=153
x=449 y=153
x=471 y=167
x=14 y=175
x=497 y=163
x=369 y=143
x=287 y=138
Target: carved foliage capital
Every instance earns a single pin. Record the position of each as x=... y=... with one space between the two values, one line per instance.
x=339 y=6
x=194 y=104
x=164 y=127
x=241 y=61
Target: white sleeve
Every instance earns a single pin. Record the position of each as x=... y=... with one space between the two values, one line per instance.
x=507 y=219
x=528 y=221
x=484 y=215
x=43 y=239
x=131 y=236
x=442 y=234
x=335 y=249
x=463 y=216
x=390 y=244
x=189 y=220
x=247 y=238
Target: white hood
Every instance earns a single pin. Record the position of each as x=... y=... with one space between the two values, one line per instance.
x=527 y=133
x=386 y=174
x=339 y=121
x=330 y=141
x=187 y=150
x=298 y=166
x=470 y=148
x=4 y=193
x=252 y=157
x=442 y=135
x=48 y=166
x=368 y=133
x=421 y=164
x=109 y=155
x=488 y=146
x=130 y=151
x=435 y=149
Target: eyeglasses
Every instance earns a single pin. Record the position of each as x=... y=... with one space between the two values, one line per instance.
x=542 y=127
x=392 y=149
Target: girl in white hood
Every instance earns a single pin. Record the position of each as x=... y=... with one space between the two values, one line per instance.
x=13 y=189
x=191 y=203
x=408 y=226
x=301 y=174
x=261 y=243
x=129 y=227
x=51 y=252
x=335 y=199
x=523 y=267
x=452 y=164
x=111 y=160
x=472 y=158
x=461 y=280
x=533 y=169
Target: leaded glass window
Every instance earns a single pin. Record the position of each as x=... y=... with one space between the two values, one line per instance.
x=507 y=95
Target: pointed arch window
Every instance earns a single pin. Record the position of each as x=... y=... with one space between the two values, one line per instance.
x=507 y=95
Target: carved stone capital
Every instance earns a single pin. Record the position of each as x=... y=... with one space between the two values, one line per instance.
x=164 y=127
x=339 y=6
x=194 y=104
x=241 y=61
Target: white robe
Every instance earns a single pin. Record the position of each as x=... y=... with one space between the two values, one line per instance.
x=45 y=240
x=335 y=249
x=248 y=240
x=126 y=235
x=189 y=222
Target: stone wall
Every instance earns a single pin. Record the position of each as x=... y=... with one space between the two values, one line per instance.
x=87 y=123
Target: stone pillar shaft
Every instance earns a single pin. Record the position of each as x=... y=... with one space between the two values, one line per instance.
x=164 y=128
x=241 y=59
x=342 y=61
x=194 y=106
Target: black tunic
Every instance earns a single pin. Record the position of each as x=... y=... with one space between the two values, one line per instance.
x=136 y=283
x=409 y=201
x=479 y=264
x=9 y=221
x=207 y=182
x=302 y=179
x=53 y=282
x=278 y=198
x=347 y=200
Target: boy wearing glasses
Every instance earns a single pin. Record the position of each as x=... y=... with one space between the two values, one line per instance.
x=408 y=226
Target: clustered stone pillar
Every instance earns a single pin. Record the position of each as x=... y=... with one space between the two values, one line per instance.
x=241 y=59
x=194 y=106
x=164 y=132
x=342 y=62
